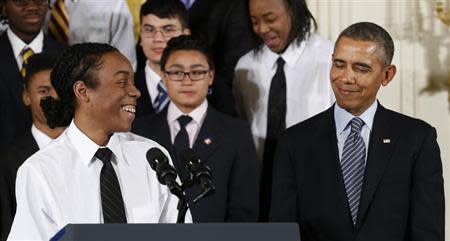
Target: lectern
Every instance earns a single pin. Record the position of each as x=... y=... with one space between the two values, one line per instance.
x=180 y=232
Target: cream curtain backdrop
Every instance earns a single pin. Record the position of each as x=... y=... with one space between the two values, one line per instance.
x=420 y=88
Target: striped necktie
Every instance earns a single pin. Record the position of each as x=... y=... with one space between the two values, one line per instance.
x=26 y=54
x=162 y=99
x=187 y=3
x=112 y=202
x=353 y=164
x=58 y=26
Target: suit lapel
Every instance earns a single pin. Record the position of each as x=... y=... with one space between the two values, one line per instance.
x=209 y=136
x=328 y=141
x=382 y=142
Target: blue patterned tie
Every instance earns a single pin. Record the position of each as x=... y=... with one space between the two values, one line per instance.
x=353 y=165
x=187 y=3
x=162 y=99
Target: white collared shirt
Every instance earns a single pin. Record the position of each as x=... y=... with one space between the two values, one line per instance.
x=18 y=45
x=342 y=118
x=152 y=79
x=308 y=88
x=193 y=128
x=60 y=184
x=40 y=137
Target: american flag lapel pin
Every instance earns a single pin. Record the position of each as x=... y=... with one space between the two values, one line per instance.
x=386 y=141
x=207 y=141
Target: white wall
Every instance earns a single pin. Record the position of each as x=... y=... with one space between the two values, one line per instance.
x=420 y=88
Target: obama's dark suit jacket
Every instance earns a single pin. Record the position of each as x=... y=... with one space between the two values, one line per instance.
x=402 y=195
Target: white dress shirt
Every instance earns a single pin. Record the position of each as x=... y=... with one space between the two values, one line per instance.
x=60 y=184
x=342 y=118
x=308 y=88
x=102 y=21
x=18 y=45
x=193 y=128
x=151 y=79
x=40 y=137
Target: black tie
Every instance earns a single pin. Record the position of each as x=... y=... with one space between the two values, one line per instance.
x=276 y=123
x=181 y=143
x=112 y=202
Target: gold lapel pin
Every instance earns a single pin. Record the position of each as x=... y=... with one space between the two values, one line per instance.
x=386 y=141
x=207 y=141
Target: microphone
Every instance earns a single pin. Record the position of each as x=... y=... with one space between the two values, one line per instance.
x=166 y=173
x=201 y=173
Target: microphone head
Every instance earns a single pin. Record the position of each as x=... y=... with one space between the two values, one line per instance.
x=192 y=160
x=155 y=157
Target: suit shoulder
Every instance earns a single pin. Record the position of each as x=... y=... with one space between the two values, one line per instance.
x=146 y=123
x=52 y=45
x=408 y=123
x=231 y=123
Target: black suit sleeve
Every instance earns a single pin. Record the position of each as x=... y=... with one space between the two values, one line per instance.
x=243 y=203
x=427 y=197
x=284 y=206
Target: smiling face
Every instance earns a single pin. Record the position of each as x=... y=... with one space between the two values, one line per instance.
x=164 y=29
x=188 y=94
x=38 y=87
x=357 y=73
x=25 y=20
x=272 y=22
x=112 y=103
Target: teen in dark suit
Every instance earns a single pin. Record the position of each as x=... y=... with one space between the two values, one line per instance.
x=36 y=86
x=359 y=171
x=222 y=142
x=25 y=19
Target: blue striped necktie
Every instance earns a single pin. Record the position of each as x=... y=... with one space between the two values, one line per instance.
x=162 y=99
x=353 y=165
x=187 y=3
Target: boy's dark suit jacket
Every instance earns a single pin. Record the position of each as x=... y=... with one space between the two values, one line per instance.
x=144 y=105
x=13 y=155
x=226 y=146
x=16 y=119
x=402 y=197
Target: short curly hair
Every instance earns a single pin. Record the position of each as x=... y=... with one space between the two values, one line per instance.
x=78 y=62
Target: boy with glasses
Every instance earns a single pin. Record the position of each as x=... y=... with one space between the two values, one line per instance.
x=161 y=20
x=222 y=142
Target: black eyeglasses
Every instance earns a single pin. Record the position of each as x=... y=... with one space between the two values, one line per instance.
x=25 y=2
x=166 y=31
x=194 y=75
